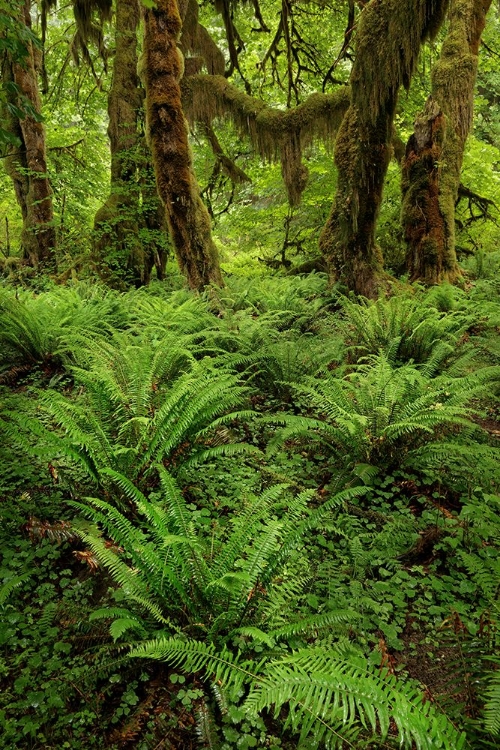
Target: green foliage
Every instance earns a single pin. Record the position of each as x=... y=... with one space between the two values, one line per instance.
x=183 y=584
x=331 y=698
x=405 y=330
x=41 y=662
x=15 y=40
x=142 y=403
x=185 y=589
x=257 y=615
x=492 y=705
x=41 y=331
x=384 y=417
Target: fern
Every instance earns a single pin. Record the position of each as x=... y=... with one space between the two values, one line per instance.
x=206 y=729
x=325 y=693
x=492 y=704
x=377 y=415
x=280 y=365
x=40 y=331
x=10 y=585
x=164 y=566
x=405 y=330
x=329 y=699
x=144 y=404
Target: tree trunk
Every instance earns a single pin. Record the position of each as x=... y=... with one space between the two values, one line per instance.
x=434 y=153
x=117 y=247
x=153 y=221
x=26 y=161
x=389 y=37
x=187 y=216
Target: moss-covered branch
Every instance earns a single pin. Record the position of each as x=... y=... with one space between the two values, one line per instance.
x=274 y=133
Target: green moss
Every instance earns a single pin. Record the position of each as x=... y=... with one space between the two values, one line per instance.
x=187 y=216
x=275 y=134
x=389 y=37
x=429 y=195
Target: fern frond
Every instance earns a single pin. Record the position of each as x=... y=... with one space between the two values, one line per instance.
x=325 y=693
x=492 y=704
x=196 y=656
x=206 y=728
x=10 y=584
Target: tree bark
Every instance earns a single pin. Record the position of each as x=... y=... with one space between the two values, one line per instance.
x=117 y=248
x=188 y=219
x=389 y=37
x=434 y=153
x=26 y=161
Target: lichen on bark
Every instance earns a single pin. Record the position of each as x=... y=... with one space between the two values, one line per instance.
x=434 y=154
x=389 y=37
x=188 y=219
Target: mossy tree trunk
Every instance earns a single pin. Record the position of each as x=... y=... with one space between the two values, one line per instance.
x=26 y=161
x=187 y=216
x=389 y=37
x=434 y=153
x=154 y=228
x=117 y=248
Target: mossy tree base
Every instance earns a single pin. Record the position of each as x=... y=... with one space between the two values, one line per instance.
x=347 y=241
x=428 y=215
x=117 y=249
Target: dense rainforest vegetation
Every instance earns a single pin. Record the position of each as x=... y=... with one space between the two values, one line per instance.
x=249 y=374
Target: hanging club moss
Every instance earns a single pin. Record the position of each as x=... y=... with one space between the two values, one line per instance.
x=187 y=216
x=434 y=154
x=196 y=40
x=389 y=37
x=274 y=133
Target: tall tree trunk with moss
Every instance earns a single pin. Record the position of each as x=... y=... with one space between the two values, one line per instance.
x=389 y=37
x=26 y=161
x=187 y=216
x=117 y=247
x=434 y=153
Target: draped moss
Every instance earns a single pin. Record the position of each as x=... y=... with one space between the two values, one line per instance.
x=389 y=36
x=274 y=133
x=90 y=16
x=196 y=40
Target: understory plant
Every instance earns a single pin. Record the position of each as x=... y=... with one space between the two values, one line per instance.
x=386 y=416
x=208 y=607
x=39 y=331
x=404 y=329
x=140 y=402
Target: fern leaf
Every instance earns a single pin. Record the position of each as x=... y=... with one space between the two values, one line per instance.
x=492 y=705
